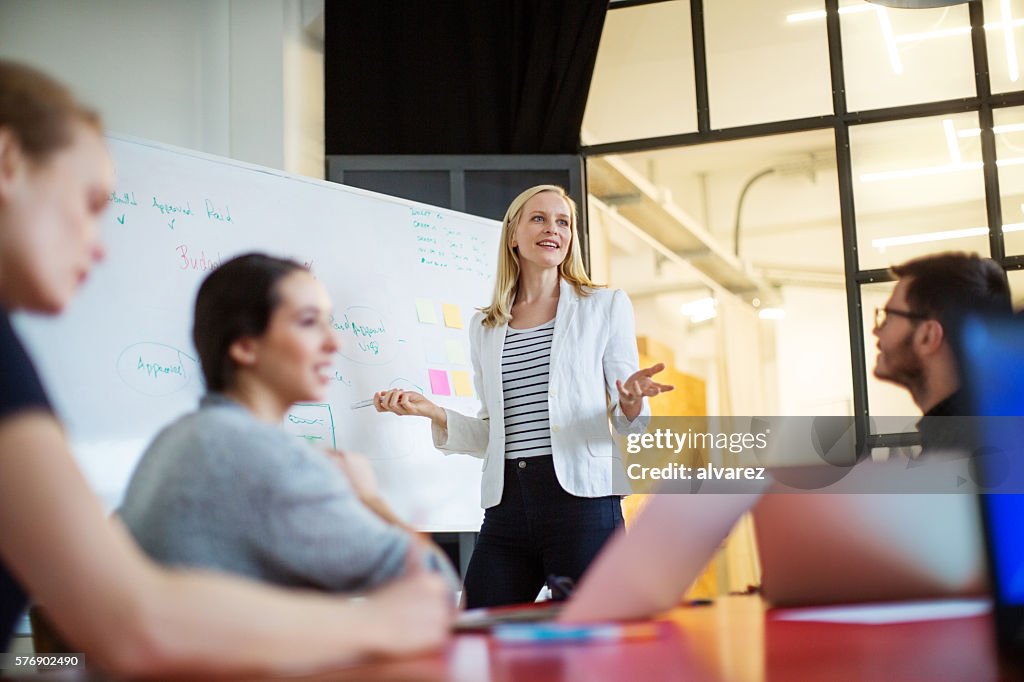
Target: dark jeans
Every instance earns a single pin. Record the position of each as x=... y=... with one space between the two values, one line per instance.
x=538 y=529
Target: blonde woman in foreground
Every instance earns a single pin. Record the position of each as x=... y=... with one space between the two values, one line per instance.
x=554 y=357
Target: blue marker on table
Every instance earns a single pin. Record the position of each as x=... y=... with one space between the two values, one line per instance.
x=540 y=633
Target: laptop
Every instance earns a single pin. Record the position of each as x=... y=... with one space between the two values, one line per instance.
x=855 y=545
x=647 y=569
x=993 y=363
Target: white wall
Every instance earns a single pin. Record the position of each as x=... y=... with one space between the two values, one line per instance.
x=237 y=78
x=303 y=89
x=813 y=351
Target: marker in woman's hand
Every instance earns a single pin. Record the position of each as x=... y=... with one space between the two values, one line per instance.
x=362 y=403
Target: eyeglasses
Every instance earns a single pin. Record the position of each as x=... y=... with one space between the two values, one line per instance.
x=882 y=315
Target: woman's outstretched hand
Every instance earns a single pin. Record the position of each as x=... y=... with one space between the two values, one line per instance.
x=639 y=384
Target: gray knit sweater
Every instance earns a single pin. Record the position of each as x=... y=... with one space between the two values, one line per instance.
x=219 y=489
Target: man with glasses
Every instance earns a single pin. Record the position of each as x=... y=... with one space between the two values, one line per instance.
x=917 y=333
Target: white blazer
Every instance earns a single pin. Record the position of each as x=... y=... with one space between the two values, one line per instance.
x=593 y=346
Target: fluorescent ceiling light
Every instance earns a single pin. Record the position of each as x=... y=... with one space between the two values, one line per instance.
x=998 y=130
x=890 y=40
x=820 y=13
x=951 y=142
x=1009 y=42
x=1002 y=25
x=704 y=317
x=924 y=237
x=945 y=235
x=771 y=314
x=905 y=173
x=805 y=16
x=700 y=310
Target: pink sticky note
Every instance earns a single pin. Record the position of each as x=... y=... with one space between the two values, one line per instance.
x=439 y=382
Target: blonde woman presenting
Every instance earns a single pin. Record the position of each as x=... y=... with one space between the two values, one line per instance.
x=554 y=356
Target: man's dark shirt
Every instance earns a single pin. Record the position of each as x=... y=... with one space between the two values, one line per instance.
x=948 y=426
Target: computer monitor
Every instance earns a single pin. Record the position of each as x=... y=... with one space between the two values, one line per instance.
x=993 y=374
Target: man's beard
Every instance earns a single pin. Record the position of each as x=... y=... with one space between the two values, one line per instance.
x=904 y=367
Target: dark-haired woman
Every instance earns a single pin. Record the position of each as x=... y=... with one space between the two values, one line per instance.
x=127 y=614
x=226 y=487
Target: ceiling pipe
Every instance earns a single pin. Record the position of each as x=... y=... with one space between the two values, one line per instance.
x=739 y=207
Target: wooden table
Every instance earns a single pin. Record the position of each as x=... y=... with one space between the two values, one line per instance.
x=734 y=639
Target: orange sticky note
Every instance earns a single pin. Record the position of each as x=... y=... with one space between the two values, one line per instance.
x=463 y=386
x=452 y=316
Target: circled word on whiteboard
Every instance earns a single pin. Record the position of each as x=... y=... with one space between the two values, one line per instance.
x=155 y=369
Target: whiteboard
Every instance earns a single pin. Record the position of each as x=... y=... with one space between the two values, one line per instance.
x=404 y=279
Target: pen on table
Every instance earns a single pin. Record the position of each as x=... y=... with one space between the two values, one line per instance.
x=534 y=633
x=362 y=403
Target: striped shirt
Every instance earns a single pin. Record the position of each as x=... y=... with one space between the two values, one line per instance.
x=525 y=363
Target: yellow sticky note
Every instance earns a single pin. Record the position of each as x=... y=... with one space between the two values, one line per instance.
x=452 y=316
x=463 y=386
x=425 y=311
x=456 y=352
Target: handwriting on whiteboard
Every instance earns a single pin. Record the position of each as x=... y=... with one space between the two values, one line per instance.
x=155 y=369
x=443 y=245
x=365 y=336
x=313 y=422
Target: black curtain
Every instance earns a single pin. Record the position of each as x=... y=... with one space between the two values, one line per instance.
x=458 y=77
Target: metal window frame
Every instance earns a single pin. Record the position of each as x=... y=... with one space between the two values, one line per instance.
x=984 y=102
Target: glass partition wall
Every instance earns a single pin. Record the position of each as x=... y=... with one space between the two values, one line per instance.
x=805 y=146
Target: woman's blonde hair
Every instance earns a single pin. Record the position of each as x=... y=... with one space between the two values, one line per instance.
x=507 y=283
